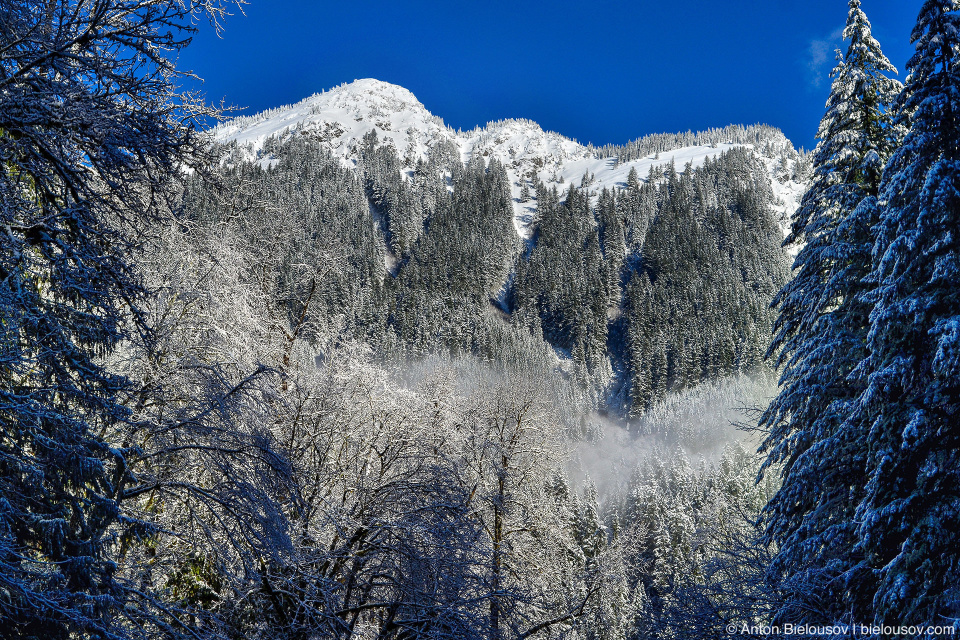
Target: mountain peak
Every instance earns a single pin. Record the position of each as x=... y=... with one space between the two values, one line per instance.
x=378 y=88
x=370 y=96
x=341 y=117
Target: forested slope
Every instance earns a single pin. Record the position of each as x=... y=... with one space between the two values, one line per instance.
x=638 y=288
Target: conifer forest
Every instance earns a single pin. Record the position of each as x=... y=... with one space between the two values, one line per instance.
x=338 y=371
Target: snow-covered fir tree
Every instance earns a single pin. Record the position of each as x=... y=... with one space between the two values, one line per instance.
x=909 y=518
x=820 y=338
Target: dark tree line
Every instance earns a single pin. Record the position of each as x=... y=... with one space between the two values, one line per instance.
x=763 y=137
x=562 y=289
x=698 y=296
x=670 y=278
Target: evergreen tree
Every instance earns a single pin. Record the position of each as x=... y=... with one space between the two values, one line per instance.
x=525 y=191
x=610 y=226
x=910 y=515
x=820 y=338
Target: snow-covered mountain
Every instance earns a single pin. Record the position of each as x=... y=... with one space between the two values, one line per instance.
x=342 y=116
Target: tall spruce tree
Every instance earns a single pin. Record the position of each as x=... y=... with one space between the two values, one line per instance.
x=910 y=515
x=820 y=337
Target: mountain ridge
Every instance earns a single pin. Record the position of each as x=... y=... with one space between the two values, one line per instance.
x=341 y=117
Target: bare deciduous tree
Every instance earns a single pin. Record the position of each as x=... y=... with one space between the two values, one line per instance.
x=92 y=128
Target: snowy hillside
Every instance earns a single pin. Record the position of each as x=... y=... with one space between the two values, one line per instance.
x=342 y=116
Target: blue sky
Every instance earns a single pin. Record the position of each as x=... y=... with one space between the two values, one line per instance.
x=600 y=71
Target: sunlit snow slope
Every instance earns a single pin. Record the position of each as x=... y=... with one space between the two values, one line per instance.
x=341 y=117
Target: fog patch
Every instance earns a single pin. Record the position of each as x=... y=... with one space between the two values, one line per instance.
x=698 y=423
